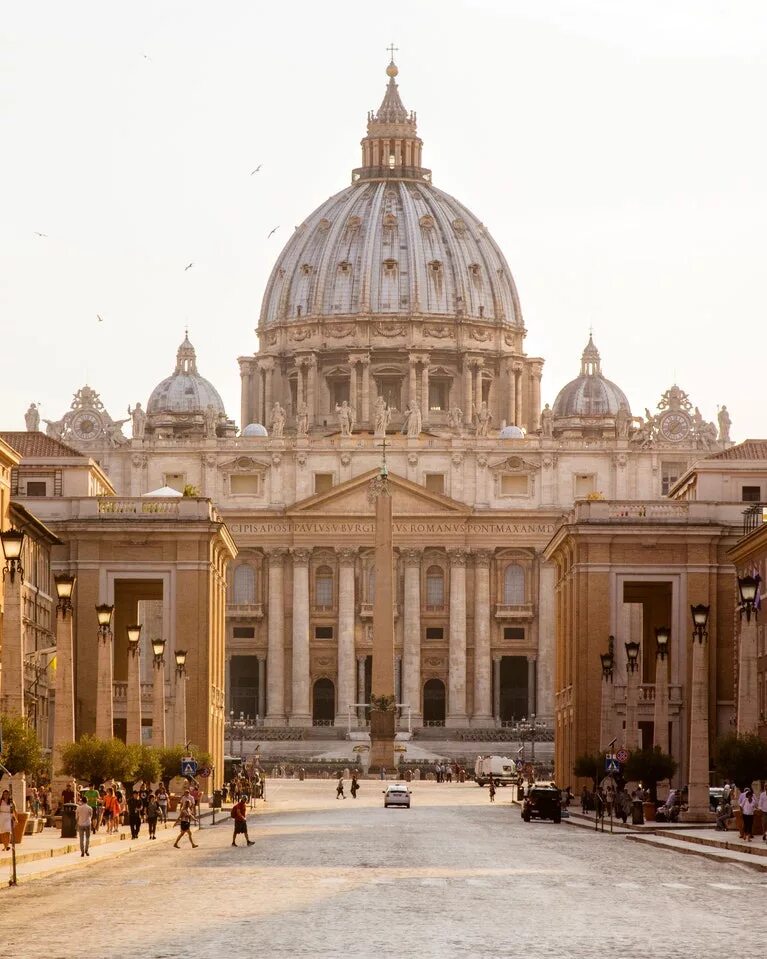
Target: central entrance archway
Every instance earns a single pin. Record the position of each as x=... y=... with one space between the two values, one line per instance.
x=323 y=703
x=434 y=702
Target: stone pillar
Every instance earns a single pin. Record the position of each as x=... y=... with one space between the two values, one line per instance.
x=64 y=706
x=411 y=659
x=158 y=703
x=660 y=716
x=301 y=714
x=275 y=650
x=468 y=395
x=456 y=700
x=748 y=707
x=345 y=684
x=105 y=685
x=259 y=415
x=412 y=389
x=353 y=360
x=179 y=707
x=483 y=679
x=261 y=688
x=365 y=361
x=631 y=733
x=511 y=397
x=531 y=686
x=133 y=697
x=311 y=389
x=477 y=385
x=266 y=366
x=497 y=690
x=535 y=412
x=697 y=774
x=518 y=394
x=398 y=678
x=425 y=390
x=300 y=362
x=361 y=689
x=12 y=678
x=607 y=712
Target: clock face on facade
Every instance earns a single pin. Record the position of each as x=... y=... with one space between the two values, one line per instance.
x=86 y=424
x=674 y=427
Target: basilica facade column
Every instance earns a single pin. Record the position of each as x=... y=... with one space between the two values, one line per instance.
x=365 y=361
x=425 y=390
x=300 y=713
x=266 y=365
x=311 y=388
x=353 y=361
x=361 y=689
x=483 y=677
x=477 y=385
x=497 y=690
x=467 y=391
x=345 y=685
x=511 y=395
x=300 y=363
x=535 y=399
x=412 y=388
x=261 y=687
x=518 y=394
x=411 y=651
x=275 y=650
x=456 y=698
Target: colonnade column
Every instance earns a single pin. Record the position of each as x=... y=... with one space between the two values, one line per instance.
x=261 y=687
x=456 y=699
x=365 y=361
x=411 y=659
x=483 y=679
x=518 y=393
x=275 y=649
x=345 y=684
x=300 y=713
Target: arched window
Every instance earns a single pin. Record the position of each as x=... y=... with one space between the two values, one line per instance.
x=435 y=587
x=323 y=587
x=514 y=585
x=244 y=590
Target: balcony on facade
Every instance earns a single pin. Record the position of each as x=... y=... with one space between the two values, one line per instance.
x=366 y=611
x=514 y=611
x=245 y=610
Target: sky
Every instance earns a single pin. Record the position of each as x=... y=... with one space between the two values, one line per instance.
x=616 y=151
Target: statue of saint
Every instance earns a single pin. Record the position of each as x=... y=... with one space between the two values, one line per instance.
x=32 y=418
x=138 y=419
x=546 y=418
x=114 y=432
x=55 y=429
x=622 y=422
x=412 y=420
x=345 y=418
x=482 y=418
x=724 y=425
x=382 y=415
x=211 y=420
x=302 y=420
x=277 y=421
x=455 y=419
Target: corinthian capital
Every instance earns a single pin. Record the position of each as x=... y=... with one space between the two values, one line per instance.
x=482 y=558
x=275 y=556
x=301 y=557
x=458 y=556
x=347 y=555
x=411 y=557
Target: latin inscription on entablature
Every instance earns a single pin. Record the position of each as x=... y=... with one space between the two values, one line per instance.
x=400 y=527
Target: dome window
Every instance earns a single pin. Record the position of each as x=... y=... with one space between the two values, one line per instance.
x=459 y=226
x=307 y=269
x=390 y=220
x=474 y=269
x=353 y=223
x=324 y=225
x=427 y=222
x=435 y=266
x=344 y=266
x=390 y=266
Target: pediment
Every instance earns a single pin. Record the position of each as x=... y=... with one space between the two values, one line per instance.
x=351 y=498
x=244 y=464
x=514 y=464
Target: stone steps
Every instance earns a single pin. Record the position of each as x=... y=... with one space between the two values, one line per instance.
x=715 y=850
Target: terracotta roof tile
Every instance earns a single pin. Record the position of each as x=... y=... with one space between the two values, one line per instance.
x=38 y=444
x=747 y=450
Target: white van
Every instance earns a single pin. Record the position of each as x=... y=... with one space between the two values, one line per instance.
x=501 y=768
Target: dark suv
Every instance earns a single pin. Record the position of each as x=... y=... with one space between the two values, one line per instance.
x=542 y=802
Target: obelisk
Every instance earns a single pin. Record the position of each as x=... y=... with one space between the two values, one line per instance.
x=382 y=699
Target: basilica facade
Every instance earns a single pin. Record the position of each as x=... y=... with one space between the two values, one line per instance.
x=391 y=327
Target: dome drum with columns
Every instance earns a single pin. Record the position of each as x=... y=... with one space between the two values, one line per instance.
x=391 y=288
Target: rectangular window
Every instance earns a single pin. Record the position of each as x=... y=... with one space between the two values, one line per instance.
x=513 y=486
x=435 y=482
x=244 y=485
x=513 y=632
x=323 y=482
x=176 y=481
x=669 y=474
x=243 y=632
x=749 y=494
x=435 y=632
x=438 y=393
x=585 y=483
x=323 y=632
x=39 y=488
x=339 y=392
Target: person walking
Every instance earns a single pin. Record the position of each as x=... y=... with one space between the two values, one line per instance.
x=83 y=820
x=134 y=814
x=152 y=811
x=7 y=819
x=354 y=788
x=749 y=805
x=112 y=811
x=492 y=789
x=340 y=788
x=162 y=802
x=184 y=822
x=240 y=817
x=761 y=804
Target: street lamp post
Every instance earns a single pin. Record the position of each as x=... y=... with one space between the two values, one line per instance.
x=133 y=733
x=12 y=701
x=660 y=716
x=158 y=694
x=179 y=705
x=697 y=777
x=64 y=707
x=608 y=694
x=631 y=738
x=531 y=728
x=105 y=673
x=747 y=716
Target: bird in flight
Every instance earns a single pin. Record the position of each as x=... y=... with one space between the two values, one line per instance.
x=256 y=170
x=100 y=318
x=188 y=267
x=37 y=233
x=273 y=231
x=146 y=57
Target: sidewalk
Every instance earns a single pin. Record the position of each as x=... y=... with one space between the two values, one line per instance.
x=47 y=853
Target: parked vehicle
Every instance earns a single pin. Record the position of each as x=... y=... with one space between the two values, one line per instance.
x=501 y=768
x=397 y=794
x=542 y=802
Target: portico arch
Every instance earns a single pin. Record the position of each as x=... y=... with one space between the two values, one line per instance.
x=323 y=702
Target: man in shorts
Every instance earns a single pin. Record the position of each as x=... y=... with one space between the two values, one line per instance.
x=240 y=816
x=184 y=822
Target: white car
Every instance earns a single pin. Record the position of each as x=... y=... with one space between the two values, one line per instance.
x=397 y=794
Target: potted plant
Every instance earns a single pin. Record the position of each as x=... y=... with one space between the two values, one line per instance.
x=650 y=766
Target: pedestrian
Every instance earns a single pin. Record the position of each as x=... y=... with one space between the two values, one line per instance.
x=762 y=805
x=162 y=802
x=134 y=814
x=240 y=817
x=492 y=789
x=84 y=818
x=726 y=791
x=7 y=819
x=340 y=788
x=184 y=822
x=354 y=788
x=748 y=805
x=152 y=811
x=382 y=773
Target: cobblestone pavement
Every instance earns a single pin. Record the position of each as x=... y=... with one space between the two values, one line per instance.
x=453 y=876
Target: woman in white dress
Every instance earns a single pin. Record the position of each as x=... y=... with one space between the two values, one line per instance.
x=7 y=819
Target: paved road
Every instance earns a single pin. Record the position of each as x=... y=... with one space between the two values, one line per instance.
x=451 y=877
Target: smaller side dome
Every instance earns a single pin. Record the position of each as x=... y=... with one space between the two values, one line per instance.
x=254 y=429
x=512 y=433
x=591 y=393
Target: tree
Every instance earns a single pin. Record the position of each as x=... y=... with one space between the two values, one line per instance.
x=742 y=759
x=148 y=767
x=21 y=752
x=650 y=766
x=590 y=766
x=170 y=760
x=97 y=760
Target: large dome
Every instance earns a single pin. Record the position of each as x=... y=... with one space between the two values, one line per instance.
x=391 y=243
x=185 y=391
x=590 y=394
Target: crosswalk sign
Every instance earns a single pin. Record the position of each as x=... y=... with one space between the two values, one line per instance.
x=188 y=766
x=612 y=765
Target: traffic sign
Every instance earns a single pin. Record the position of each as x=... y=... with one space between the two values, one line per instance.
x=519 y=763
x=188 y=766
x=612 y=765
x=204 y=772
x=622 y=755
